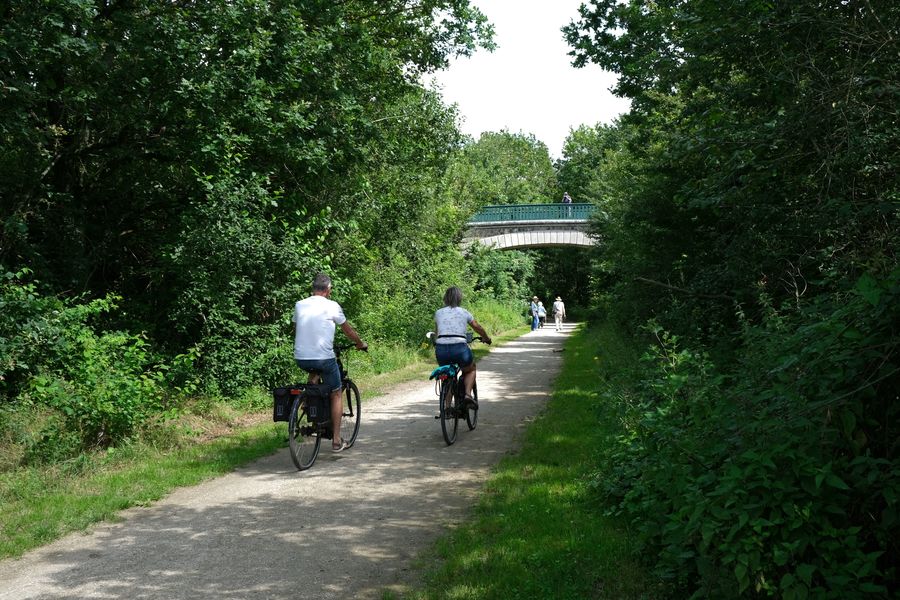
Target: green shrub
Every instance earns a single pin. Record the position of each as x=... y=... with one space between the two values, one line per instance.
x=84 y=389
x=775 y=475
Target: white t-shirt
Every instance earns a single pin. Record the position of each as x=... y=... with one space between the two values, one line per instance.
x=315 y=318
x=452 y=321
x=559 y=308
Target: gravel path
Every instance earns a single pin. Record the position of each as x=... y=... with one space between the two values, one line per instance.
x=348 y=527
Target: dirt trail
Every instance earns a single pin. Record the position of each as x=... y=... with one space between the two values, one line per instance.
x=348 y=527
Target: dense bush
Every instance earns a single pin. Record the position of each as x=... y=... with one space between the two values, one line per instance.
x=84 y=389
x=775 y=475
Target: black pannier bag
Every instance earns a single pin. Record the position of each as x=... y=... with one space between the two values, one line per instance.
x=317 y=398
x=283 y=400
x=318 y=402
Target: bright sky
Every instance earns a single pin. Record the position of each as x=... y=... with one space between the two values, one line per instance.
x=527 y=84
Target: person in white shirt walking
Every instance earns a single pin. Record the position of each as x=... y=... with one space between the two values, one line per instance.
x=559 y=312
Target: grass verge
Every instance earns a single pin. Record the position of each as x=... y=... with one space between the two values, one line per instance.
x=539 y=531
x=42 y=503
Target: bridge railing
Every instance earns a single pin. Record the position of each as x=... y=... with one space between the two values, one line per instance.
x=533 y=212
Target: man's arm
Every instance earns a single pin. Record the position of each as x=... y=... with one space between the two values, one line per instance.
x=351 y=333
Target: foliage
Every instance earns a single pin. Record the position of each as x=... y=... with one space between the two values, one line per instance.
x=502 y=275
x=93 y=389
x=751 y=211
x=502 y=168
x=237 y=124
x=781 y=481
x=194 y=167
x=584 y=154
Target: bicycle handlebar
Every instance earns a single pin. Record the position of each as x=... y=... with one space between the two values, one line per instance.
x=433 y=338
x=351 y=345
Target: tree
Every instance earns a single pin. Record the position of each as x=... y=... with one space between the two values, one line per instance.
x=753 y=214
x=502 y=168
x=583 y=155
x=201 y=161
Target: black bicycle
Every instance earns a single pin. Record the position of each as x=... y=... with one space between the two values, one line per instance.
x=452 y=403
x=310 y=417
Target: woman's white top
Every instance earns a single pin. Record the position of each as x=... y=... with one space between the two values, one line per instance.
x=452 y=321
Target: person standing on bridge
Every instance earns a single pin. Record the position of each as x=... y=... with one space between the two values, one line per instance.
x=451 y=342
x=315 y=319
x=559 y=312
x=567 y=200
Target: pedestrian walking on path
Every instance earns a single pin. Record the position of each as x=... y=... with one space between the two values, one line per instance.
x=559 y=312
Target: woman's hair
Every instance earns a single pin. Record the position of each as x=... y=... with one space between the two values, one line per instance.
x=453 y=296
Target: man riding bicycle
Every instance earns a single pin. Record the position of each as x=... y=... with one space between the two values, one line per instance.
x=450 y=340
x=315 y=318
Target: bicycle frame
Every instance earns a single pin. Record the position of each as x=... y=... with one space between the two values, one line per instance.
x=453 y=408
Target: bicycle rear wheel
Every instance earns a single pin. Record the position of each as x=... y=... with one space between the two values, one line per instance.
x=449 y=415
x=352 y=413
x=303 y=436
x=472 y=409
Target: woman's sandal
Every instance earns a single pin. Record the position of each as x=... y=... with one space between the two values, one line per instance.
x=339 y=447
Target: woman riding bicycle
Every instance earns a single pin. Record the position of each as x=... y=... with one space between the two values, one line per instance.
x=451 y=345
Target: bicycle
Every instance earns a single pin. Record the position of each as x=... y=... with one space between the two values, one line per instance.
x=450 y=390
x=310 y=417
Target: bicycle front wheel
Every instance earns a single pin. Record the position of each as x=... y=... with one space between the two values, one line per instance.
x=352 y=414
x=472 y=409
x=449 y=415
x=303 y=436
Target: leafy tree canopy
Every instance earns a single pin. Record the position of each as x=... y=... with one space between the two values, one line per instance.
x=503 y=168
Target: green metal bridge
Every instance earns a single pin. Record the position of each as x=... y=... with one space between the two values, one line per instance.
x=533 y=212
x=531 y=225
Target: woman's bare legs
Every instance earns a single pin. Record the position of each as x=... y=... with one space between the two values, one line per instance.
x=469 y=379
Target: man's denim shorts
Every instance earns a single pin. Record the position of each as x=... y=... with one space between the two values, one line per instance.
x=328 y=367
x=459 y=354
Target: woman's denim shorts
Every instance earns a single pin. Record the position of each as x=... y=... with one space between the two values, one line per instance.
x=459 y=354
x=328 y=367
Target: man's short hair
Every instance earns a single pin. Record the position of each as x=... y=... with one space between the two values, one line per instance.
x=321 y=283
